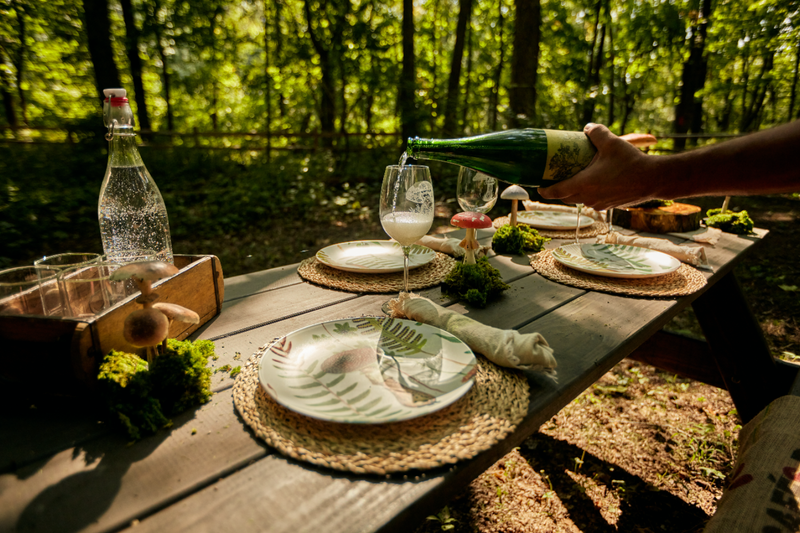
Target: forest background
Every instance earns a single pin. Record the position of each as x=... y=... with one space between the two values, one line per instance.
x=267 y=125
x=267 y=119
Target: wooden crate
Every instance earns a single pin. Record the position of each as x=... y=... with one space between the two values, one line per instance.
x=62 y=355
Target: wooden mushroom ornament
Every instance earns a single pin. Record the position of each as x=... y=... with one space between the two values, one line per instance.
x=470 y=221
x=515 y=193
x=149 y=326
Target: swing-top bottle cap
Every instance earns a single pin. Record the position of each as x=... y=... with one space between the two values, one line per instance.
x=115 y=97
x=116 y=109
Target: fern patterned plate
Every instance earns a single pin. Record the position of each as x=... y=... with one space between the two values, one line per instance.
x=367 y=370
x=373 y=257
x=554 y=220
x=616 y=260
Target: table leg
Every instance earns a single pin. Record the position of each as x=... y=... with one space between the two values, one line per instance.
x=739 y=349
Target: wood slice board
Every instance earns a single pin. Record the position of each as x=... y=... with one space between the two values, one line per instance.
x=674 y=218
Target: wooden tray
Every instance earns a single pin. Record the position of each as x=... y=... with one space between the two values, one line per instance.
x=62 y=355
x=676 y=217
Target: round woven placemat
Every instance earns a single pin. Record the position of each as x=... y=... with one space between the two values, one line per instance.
x=419 y=278
x=682 y=282
x=584 y=233
x=495 y=404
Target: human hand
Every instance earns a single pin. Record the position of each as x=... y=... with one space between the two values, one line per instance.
x=618 y=175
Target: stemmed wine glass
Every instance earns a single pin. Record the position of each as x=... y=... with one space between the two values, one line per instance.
x=406 y=207
x=476 y=191
x=578 y=223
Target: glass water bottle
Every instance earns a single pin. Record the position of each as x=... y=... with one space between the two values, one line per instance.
x=131 y=210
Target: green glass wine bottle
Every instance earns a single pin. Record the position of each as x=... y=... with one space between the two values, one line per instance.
x=530 y=157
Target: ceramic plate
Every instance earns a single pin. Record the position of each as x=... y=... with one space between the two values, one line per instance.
x=373 y=257
x=368 y=370
x=553 y=220
x=616 y=260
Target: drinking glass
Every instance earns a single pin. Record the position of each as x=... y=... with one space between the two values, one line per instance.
x=62 y=262
x=406 y=207
x=477 y=192
x=85 y=289
x=29 y=290
x=119 y=290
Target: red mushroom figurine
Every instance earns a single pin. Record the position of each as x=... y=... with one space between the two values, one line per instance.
x=470 y=221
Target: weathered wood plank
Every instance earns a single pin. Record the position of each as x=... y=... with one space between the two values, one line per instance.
x=104 y=484
x=262 y=281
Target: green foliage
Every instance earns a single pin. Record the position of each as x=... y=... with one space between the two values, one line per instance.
x=142 y=398
x=124 y=383
x=729 y=221
x=446 y=522
x=476 y=284
x=518 y=240
x=180 y=377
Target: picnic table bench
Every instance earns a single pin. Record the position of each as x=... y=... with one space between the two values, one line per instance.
x=62 y=470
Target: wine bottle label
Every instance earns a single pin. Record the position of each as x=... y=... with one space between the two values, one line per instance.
x=568 y=152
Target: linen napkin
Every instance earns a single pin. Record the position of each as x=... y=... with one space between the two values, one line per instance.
x=705 y=235
x=506 y=348
x=694 y=255
x=530 y=205
x=449 y=246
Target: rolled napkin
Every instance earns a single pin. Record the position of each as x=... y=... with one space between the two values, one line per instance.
x=530 y=205
x=705 y=235
x=694 y=255
x=449 y=246
x=506 y=348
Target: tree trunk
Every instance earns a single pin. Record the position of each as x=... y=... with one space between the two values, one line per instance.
x=794 y=81
x=408 y=77
x=611 y=77
x=754 y=108
x=594 y=65
x=454 y=80
x=8 y=100
x=467 y=79
x=525 y=62
x=165 y=77
x=19 y=59
x=98 y=36
x=498 y=71
x=688 y=112
x=132 y=49
x=327 y=102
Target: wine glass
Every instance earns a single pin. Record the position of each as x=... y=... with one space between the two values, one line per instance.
x=406 y=207
x=477 y=192
x=578 y=223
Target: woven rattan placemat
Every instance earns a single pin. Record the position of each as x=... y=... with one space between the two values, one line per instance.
x=419 y=278
x=493 y=407
x=684 y=281
x=584 y=233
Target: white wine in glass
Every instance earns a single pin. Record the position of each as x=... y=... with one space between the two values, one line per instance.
x=406 y=207
x=477 y=192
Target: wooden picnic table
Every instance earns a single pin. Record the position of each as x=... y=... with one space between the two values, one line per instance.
x=62 y=470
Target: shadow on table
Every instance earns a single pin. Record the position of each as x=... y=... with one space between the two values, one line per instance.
x=80 y=499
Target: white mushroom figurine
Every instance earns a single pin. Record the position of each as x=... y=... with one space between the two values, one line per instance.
x=470 y=221
x=149 y=326
x=515 y=193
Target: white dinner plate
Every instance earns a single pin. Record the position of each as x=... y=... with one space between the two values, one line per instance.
x=373 y=257
x=367 y=370
x=555 y=220
x=616 y=260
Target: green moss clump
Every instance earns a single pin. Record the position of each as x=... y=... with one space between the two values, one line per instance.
x=729 y=221
x=655 y=203
x=180 y=377
x=476 y=284
x=142 y=398
x=517 y=240
x=124 y=382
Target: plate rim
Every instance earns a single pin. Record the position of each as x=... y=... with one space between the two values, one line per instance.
x=463 y=390
x=622 y=275
x=521 y=216
x=365 y=270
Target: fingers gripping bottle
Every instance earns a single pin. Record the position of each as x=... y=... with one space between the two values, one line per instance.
x=131 y=211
